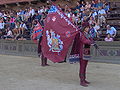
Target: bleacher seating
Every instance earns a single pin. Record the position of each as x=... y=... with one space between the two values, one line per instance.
x=13 y=1
x=113 y=19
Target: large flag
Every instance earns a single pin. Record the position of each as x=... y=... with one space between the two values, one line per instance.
x=58 y=35
x=37 y=32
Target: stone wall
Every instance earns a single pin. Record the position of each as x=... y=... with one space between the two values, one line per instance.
x=18 y=48
x=108 y=52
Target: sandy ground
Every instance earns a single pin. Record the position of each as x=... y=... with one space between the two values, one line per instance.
x=25 y=73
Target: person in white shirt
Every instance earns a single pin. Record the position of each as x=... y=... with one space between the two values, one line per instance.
x=111 y=30
x=97 y=29
x=102 y=11
x=9 y=34
x=23 y=27
x=41 y=10
x=2 y=25
x=101 y=16
x=94 y=14
x=31 y=12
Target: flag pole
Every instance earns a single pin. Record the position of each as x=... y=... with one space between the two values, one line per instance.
x=97 y=48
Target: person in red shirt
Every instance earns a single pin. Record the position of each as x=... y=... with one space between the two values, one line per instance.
x=43 y=58
x=84 y=51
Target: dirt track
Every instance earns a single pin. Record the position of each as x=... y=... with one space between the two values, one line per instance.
x=25 y=73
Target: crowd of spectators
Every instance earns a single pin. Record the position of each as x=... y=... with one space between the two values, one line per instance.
x=19 y=24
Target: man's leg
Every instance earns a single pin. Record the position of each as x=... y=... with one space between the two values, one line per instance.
x=82 y=73
x=44 y=61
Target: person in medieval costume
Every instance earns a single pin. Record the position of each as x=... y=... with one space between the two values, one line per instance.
x=43 y=59
x=84 y=51
x=81 y=52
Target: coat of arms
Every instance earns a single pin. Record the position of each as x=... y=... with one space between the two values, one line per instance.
x=54 y=42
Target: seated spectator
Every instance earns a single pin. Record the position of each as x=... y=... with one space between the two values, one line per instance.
x=2 y=24
x=88 y=5
x=12 y=22
x=101 y=11
x=111 y=30
x=106 y=7
x=1 y=14
x=92 y=32
x=94 y=14
x=16 y=30
x=83 y=14
x=85 y=22
x=78 y=5
x=23 y=27
x=97 y=29
x=108 y=38
x=9 y=34
x=0 y=34
x=93 y=4
x=22 y=38
x=31 y=11
x=99 y=4
x=101 y=16
x=91 y=21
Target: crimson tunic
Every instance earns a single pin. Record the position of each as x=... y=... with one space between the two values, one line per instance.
x=82 y=41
